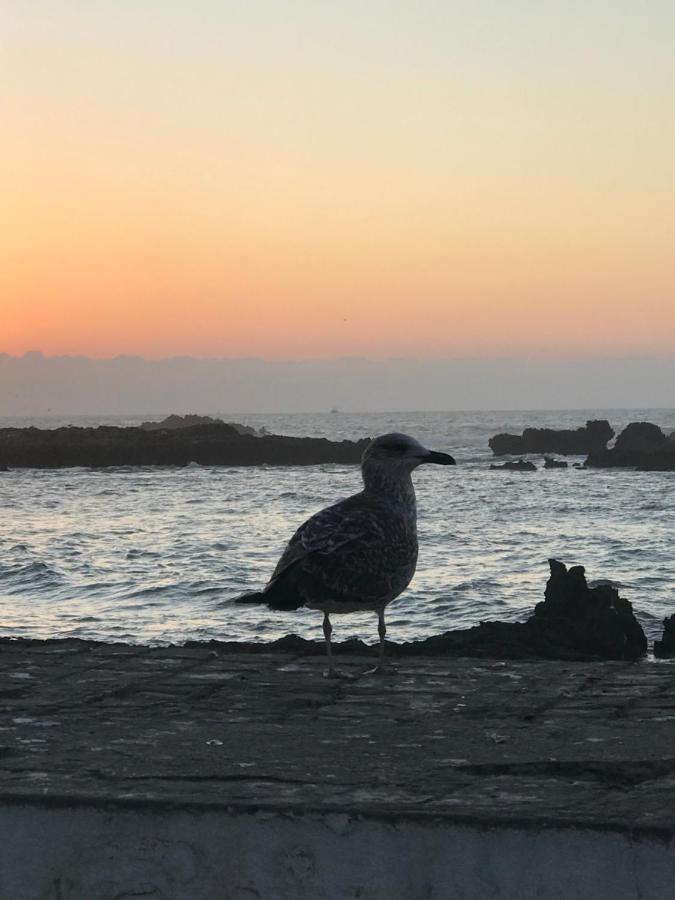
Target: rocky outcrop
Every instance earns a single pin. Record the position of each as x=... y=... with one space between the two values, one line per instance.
x=188 y=421
x=574 y=621
x=518 y=465
x=593 y=620
x=551 y=463
x=640 y=445
x=591 y=438
x=665 y=648
x=212 y=445
x=640 y=437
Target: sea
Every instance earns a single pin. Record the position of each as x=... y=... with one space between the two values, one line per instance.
x=156 y=555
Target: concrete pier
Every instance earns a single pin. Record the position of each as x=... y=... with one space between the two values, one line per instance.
x=194 y=774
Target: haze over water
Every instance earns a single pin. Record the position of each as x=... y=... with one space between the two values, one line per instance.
x=156 y=554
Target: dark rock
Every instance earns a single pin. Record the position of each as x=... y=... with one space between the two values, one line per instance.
x=519 y=465
x=639 y=437
x=574 y=621
x=506 y=444
x=591 y=438
x=665 y=648
x=248 y=429
x=640 y=445
x=551 y=463
x=212 y=445
x=594 y=620
x=188 y=421
x=175 y=421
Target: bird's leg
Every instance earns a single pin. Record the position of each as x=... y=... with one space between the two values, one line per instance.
x=381 y=668
x=382 y=631
x=327 y=631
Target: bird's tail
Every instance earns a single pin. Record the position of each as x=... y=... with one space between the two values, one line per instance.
x=279 y=594
x=253 y=597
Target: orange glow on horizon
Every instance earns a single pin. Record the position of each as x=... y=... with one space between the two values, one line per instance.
x=414 y=189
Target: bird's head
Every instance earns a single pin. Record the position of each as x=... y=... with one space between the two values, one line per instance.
x=400 y=454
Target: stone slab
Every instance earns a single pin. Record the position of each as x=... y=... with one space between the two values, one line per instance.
x=532 y=747
x=528 y=742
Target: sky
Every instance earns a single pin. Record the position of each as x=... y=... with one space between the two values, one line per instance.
x=311 y=180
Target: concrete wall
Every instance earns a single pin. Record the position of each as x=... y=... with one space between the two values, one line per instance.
x=87 y=853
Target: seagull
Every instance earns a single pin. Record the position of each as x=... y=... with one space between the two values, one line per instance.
x=359 y=554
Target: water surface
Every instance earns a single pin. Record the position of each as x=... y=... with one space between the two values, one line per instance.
x=157 y=554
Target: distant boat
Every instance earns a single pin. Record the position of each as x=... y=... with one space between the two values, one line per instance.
x=335 y=410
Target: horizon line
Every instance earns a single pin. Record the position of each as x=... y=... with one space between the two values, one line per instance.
x=540 y=357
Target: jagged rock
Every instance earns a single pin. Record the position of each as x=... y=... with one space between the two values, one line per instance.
x=188 y=421
x=519 y=465
x=574 y=621
x=213 y=445
x=594 y=620
x=665 y=648
x=551 y=463
x=592 y=437
x=640 y=445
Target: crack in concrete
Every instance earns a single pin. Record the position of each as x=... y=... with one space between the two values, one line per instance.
x=220 y=777
x=631 y=772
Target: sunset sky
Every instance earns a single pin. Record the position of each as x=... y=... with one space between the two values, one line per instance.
x=314 y=179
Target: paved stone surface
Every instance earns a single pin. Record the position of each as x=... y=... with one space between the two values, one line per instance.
x=530 y=743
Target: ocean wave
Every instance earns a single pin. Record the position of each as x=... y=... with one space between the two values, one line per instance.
x=35 y=575
x=138 y=553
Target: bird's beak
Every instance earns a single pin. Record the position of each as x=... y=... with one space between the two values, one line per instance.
x=441 y=459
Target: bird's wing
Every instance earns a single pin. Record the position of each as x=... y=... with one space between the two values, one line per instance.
x=347 y=522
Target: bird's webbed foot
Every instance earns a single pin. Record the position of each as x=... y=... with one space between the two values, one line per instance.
x=382 y=669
